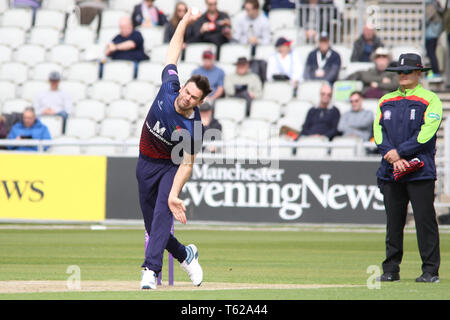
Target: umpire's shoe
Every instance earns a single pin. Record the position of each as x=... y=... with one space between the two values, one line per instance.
x=428 y=277
x=389 y=276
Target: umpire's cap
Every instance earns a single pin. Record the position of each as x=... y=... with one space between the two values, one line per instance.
x=407 y=62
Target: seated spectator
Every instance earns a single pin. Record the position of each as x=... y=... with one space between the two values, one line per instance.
x=7 y=120
x=377 y=82
x=279 y=4
x=29 y=128
x=213 y=26
x=214 y=74
x=147 y=15
x=322 y=120
x=284 y=64
x=243 y=83
x=127 y=45
x=169 y=29
x=365 y=45
x=54 y=101
x=209 y=122
x=357 y=122
x=323 y=63
x=251 y=26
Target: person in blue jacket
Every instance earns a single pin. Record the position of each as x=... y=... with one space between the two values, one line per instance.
x=29 y=128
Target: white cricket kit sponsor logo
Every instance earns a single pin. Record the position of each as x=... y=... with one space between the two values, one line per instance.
x=158 y=132
x=263 y=188
x=157 y=129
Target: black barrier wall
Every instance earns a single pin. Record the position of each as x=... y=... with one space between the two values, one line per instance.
x=293 y=191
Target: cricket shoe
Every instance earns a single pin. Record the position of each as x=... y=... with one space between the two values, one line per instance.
x=148 y=280
x=191 y=265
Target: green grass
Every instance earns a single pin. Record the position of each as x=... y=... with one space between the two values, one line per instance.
x=297 y=257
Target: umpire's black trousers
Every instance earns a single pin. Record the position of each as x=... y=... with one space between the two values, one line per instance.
x=397 y=195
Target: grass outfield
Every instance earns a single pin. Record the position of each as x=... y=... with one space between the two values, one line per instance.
x=302 y=256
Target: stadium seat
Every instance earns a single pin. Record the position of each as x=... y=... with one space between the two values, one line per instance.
x=82 y=128
x=282 y=19
x=312 y=149
x=12 y=37
x=310 y=91
x=81 y=37
x=230 y=52
x=137 y=129
x=355 y=67
x=200 y=4
x=139 y=91
x=107 y=35
x=42 y=70
x=43 y=36
x=50 y=18
x=94 y=53
x=291 y=122
x=297 y=108
x=130 y=150
x=228 y=68
x=255 y=129
x=5 y=54
x=153 y=36
x=31 y=89
x=123 y=109
x=193 y=52
x=291 y=34
x=343 y=88
x=265 y=110
x=86 y=72
x=105 y=91
x=7 y=91
x=99 y=147
x=230 y=7
x=343 y=106
x=263 y=52
x=64 y=54
x=229 y=129
x=118 y=71
x=279 y=91
x=60 y=5
x=126 y=5
x=17 y=18
x=30 y=54
x=185 y=70
x=4 y=5
x=346 y=147
x=15 y=105
x=65 y=147
x=371 y=104
x=91 y=109
x=54 y=125
x=158 y=54
x=76 y=89
x=118 y=129
x=150 y=71
x=111 y=17
x=278 y=151
x=14 y=71
x=230 y=108
x=345 y=53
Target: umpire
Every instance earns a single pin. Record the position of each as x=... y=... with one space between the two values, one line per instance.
x=405 y=129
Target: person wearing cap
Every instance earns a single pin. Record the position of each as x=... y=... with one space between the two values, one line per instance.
x=243 y=83
x=251 y=25
x=323 y=63
x=377 y=81
x=54 y=102
x=214 y=74
x=367 y=43
x=284 y=64
x=211 y=126
x=405 y=129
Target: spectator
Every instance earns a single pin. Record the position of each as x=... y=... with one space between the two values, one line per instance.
x=433 y=29
x=446 y=27
x=315 y=17
x=284 y=64
x=365 y=45
x=377 y=81
x=147 y=15
x=252 y=26
x=213 y=26
x=244 y=83
x=322 y=120
x=54 y=101
x=323 y=63
x=7 y=120
x=357 y=122
x=178 y=14
x=127 y=45
x=29 y=128
x=209 y=122
x=279 y=4
x=214 y=74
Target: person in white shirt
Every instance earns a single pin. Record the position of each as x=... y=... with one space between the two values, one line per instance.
x=54 y=101
x=251 y=26
x=284 y=64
